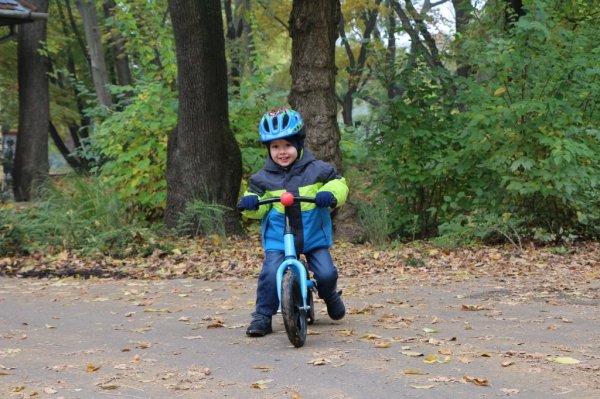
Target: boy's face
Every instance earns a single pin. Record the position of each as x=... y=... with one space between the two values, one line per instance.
x=283 y=153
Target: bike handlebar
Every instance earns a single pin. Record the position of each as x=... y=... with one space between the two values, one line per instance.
x=278 y=199
x=287 y=199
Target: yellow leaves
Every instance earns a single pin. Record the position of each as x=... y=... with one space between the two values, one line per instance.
x=422 y=386
x=564 y=360
x=261 y=384
x=434 y=359
x=414 y=372
x=91 y=368
x=383 y=345
x=499 y=91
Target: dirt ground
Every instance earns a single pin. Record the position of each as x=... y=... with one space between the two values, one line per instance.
x=413 y=335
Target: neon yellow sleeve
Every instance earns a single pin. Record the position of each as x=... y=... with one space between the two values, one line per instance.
x=338 y=188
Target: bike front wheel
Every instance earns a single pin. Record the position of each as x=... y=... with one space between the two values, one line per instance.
x=292 y=309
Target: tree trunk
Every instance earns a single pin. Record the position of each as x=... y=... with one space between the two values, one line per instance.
x=314 y=29
x=204 y=160
x=513 y=11
x=87 y=10
x=121 y=59
x=356 y=66
x=463 y=10
x=31 y=156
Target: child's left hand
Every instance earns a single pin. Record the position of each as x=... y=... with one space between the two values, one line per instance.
x=324 y=199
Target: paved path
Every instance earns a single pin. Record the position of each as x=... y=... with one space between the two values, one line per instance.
x=471 y=338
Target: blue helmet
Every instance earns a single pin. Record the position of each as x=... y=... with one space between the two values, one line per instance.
x=278 y=124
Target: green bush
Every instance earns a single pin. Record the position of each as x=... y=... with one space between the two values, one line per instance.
x=80 y=215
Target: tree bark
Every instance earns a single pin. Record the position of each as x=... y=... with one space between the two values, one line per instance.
x=314 y=29
x=121 y=59
x=463 y=11
x=204 y=161
x=31 y=155
x=87 y=10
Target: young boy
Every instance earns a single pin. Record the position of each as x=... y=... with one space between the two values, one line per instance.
x=290 y=167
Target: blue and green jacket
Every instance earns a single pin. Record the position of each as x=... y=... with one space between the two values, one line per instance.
x=305 y=177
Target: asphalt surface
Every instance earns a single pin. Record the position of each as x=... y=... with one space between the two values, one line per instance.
x=401 y=338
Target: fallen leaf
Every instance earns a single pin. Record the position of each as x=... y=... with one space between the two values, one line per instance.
x=157 y=310
x=109 y=387
x=296 y=395
x=422 y=386
x=476 y=381
x=383 y=345
x=50 y=391
x=414 y=372
x=435 y=359
x=472 y=308
x=194 y=337
x=319 y=361
x=431 y=330
x=564 y=360
x=261 y=384
x=91 y=368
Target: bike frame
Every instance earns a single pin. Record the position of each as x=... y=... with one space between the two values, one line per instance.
x=291 y=260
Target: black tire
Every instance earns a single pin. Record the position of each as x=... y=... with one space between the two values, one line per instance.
x=294 y=316
x=310 y=315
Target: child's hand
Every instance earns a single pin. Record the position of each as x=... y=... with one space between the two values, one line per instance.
x=249 y=203
x=325 y=199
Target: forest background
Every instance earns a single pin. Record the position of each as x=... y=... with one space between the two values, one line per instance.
x=460 y=122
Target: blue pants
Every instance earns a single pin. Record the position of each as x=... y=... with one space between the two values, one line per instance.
x=319 y=262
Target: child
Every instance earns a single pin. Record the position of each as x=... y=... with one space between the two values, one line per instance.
x=290 y=167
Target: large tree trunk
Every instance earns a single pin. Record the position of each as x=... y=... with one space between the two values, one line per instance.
x=313 y=28
x=31 y=157
x=87 y=10
x=204 y=160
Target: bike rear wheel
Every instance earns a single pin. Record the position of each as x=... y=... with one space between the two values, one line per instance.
x=292 y=309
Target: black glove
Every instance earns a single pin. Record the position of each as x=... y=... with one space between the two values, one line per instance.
x=249 y=203
x=324 y=199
